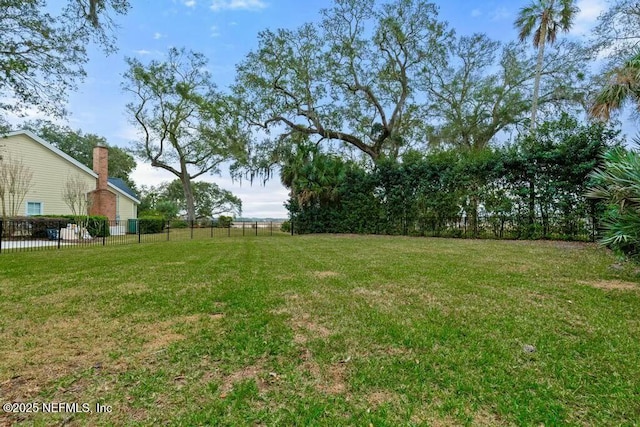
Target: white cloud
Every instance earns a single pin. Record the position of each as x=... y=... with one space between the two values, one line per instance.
x=190 y=3
x=215 y=31
x=252 y=5
x=157 y=36
x=259 y=201
x=145 y=174
x=475 y=13
x=145 y=52
x=500 y=14
x=588 y=15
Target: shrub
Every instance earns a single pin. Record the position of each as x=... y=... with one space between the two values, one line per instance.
x=224 y=221
x=151 y=224
x=617 y=183
x=286 y=226
x=179 y=223
x=97 y=226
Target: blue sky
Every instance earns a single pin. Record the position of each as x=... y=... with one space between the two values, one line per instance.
x=225 y=31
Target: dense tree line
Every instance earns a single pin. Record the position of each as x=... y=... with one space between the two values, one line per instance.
x=533 y=188
x=167 y=200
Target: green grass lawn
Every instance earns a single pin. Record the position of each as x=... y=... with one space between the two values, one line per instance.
x=323 y=330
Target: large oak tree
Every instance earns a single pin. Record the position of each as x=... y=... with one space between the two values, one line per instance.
x=186 y=126
x=483 y=88
x=348 y=79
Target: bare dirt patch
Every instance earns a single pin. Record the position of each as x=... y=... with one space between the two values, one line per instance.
x=378 y=398
x=366 y=292
x=252 y=372
x=334 y=379
x=304 y=327
x=330 y=379
x=486 y=418
x=161 y=341
x=62 y=296
x=325 y=274
x=392 y=295
x=611 y=285
x=305 y=323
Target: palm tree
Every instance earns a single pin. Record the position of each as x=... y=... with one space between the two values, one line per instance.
x=293 y=160
x=617 y=183
x=623 y=86
x=543 y=19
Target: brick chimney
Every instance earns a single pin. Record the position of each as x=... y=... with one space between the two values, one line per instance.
x=101 y=165
x=103 y=200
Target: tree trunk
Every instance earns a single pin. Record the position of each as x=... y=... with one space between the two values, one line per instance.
x=536 y=84
x=473 y=212
x=188 y=196
x=532 y=206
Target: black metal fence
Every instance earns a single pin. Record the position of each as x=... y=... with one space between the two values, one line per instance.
x=499 y=227
x=514 y=227
x=43 y=233
x=28 y=234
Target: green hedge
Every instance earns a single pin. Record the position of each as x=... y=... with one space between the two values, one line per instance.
x=151 y=224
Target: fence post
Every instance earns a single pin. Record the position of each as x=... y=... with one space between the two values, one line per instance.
x=256 y=228
x=465 y=226
x=59 y=232
x=229 y=230
x=271 y=228
x=242 y=228
x=291 y=222
x=211 y=224
x=1 y=233
x=104 y=232
x=139 y=231
x=168 y=228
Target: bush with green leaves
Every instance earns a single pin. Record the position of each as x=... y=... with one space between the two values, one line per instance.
x=151 y=224
x=179 y=223
x=224 y=221
x=617 y=184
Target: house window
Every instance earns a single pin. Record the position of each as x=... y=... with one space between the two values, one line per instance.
x=34 y=208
